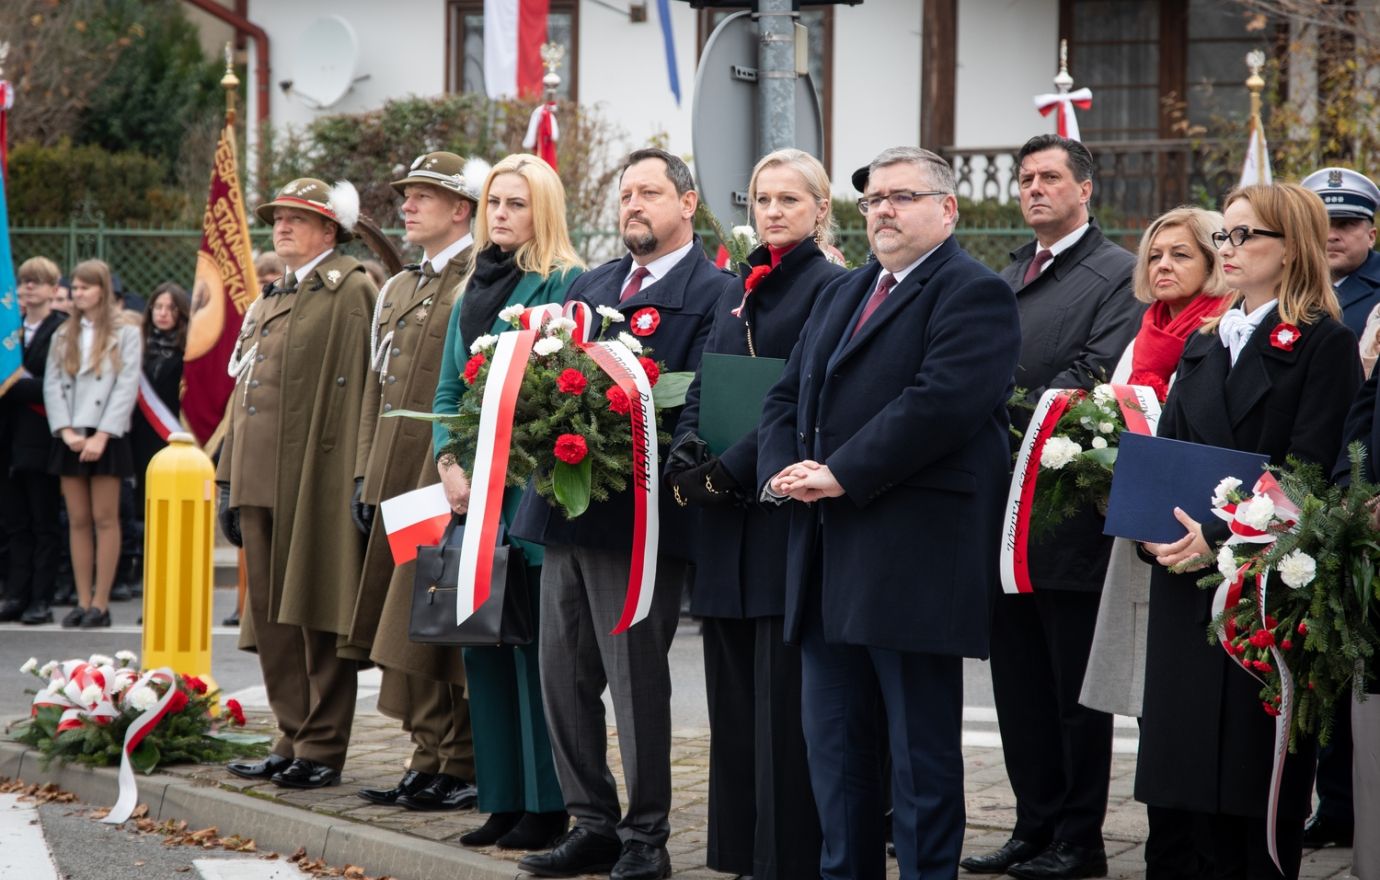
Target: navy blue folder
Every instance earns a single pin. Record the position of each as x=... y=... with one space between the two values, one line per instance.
x=1153 y=475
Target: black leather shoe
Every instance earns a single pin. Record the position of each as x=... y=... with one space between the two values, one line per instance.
x=997 y=861
x=11 y=610
x=1321 y=831
x=74 y=618
x=497 y=825
x=444 y=792
x=37 y=613
x=262 y=769
x=536 y=831
x=95 y=618
x=232 y=620
x=302 y=773
x=1063 y=861
x=413 y=780
x=581 y=851
x=641 y=861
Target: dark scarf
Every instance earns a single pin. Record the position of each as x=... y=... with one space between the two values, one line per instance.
x=161 y=353
x=496 y=276
x=1161 y=340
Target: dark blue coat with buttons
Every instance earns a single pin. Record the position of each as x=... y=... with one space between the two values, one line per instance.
x=910 y=416
x=1359 y=292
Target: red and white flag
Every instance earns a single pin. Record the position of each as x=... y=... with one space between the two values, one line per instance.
x=415 y=519
x=514 y=31
x=1256 y=167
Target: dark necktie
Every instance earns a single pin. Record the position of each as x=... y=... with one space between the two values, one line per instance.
x=285 y=284
x=424 y=268
x=634 y=283
x=884 y=286
x=1042 y=256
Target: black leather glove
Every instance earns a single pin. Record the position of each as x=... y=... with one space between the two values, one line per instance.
x=229 y=516
x=361 y=513
x=708 y=485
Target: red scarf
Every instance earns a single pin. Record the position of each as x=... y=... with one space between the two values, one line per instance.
x=1161 y=340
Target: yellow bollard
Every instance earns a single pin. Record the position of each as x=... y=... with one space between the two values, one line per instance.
x=179 y=524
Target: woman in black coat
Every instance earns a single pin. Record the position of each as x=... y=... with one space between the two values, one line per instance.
x=165 y=338
x=1206 y=745
x=762 y=818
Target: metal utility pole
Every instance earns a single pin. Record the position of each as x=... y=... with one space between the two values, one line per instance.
x=775 y=74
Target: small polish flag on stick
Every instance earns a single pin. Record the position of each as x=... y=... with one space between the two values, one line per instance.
x=415 y=519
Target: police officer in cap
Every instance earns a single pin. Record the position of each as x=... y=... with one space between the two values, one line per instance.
x=1351 y=199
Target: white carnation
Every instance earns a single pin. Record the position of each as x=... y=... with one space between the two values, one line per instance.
x=747 y=234
x=512 y=313
x=92 y=694
x=631 y=342
x=46 y=670
x=1256 y=512
x=547 y=345
x=1103 y=395
x=1297 y=569
x=29 y=665
x=1106 y=427
x=142 y=698
x=1226 y=563
x=483 y=343
x=101 y=660
x=1058 y=452
x=1099 y=443
x=1220 y=495
x=560 y=325
x=123 y=679
x=127 y=657
x=1086 y=422
x=612 y=315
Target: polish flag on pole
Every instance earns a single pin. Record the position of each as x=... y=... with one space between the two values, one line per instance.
x=415 y=519
x=514 y=31
x=1256 y=168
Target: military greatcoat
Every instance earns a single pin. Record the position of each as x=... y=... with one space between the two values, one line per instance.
x=395 y=453
x=293 y=435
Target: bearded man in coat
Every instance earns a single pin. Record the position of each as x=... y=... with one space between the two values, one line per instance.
x=286 y=474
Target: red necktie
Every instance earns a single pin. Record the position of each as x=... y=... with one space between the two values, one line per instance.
x=884 y=286
x=1044 y=255
x=634 y=283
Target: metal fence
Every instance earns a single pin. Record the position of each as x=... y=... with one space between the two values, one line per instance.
x=144 y=258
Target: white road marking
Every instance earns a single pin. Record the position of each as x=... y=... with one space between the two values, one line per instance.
x=23 y=851
x=246 y=869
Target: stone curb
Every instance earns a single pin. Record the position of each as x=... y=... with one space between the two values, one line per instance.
x=273 y=826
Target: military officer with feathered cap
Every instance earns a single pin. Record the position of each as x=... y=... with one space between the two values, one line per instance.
x=286 y=473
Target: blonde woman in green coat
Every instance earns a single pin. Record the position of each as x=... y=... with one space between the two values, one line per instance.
x=523 y=256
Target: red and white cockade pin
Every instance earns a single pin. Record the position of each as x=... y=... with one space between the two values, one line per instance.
x=1284 y=336
x=644 y=321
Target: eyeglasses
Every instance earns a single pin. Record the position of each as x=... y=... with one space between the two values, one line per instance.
x=899 y=200
x=1240 y=234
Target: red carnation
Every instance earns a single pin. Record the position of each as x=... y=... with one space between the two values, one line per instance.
x=1286 y=644
x=472 y=368
x=236 y=711
x=571 y=448
x=1271 y=622
x=618 y=400
x=651 y=369
x=1303 y=628
x=1269 y=708
x=571 y=381
x=194 y=684
x=1262 y=638
x=755 y=277
x=178 y=701
x=1262 y=666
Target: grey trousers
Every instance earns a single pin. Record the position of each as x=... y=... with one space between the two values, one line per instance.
x=582 y=593
x=1365 y=787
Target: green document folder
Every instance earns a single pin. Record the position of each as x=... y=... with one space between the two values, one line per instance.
x=733 y=388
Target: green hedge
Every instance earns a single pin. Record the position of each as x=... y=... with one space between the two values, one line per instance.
x=47 y=186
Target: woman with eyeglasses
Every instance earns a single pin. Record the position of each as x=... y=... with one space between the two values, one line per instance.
x=762 y=818
x=1274 y=374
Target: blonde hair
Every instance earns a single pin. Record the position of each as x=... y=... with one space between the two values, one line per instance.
x=1305 y=285
x=549 y=250
x=1201 y=224
x=38 y=269
x=107 y=317
x=816 y=182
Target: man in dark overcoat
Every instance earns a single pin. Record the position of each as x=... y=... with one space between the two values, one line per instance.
x=1078 y=315
x=665 y=288
x=286 y=475
x=423 y=686
x=888 y=434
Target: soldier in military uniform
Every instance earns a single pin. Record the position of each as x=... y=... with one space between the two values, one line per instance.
x=423 y=686
x=286 y=473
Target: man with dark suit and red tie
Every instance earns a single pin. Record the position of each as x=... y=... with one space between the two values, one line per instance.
x=886 y=438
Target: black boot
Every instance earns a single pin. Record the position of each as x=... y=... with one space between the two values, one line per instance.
x=536 y=831
x=497 y=825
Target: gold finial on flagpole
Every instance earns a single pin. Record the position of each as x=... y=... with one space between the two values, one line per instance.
x=551 y=56
x=1062 y=80
x=230 y=83
x=1255 y=61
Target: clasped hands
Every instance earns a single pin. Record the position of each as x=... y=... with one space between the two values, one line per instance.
x=1191 y=546
x=806 y=481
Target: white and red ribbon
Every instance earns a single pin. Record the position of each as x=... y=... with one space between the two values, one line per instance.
x=134 y=734
x=1064 y=102
x=155 y=411
x=1015 y=563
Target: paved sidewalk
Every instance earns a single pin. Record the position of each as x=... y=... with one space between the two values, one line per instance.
x=335 y=824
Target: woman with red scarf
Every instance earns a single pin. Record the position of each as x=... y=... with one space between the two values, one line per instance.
x=1179 y=274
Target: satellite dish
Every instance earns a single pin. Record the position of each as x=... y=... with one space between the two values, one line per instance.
x=723 y=126
x=323 y=66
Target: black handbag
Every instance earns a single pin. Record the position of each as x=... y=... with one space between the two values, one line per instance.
x=505 y=618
